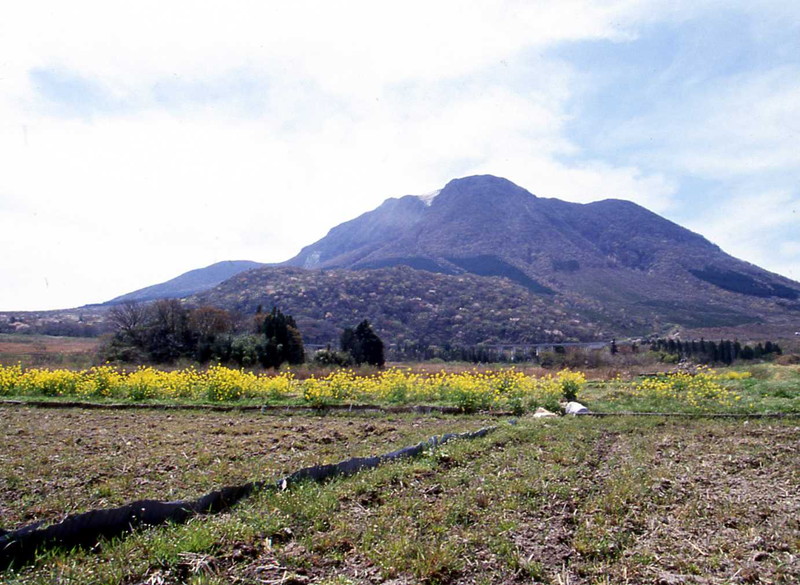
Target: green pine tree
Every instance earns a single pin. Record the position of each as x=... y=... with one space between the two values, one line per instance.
x=363 y=344
x=282 y=343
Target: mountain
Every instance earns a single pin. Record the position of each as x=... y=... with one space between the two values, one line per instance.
x=611 y=251
x=188 y=283
x=484 y=260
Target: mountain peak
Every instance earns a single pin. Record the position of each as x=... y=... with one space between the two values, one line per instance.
x=486 y=187
x=613 y=251
x=482 y=182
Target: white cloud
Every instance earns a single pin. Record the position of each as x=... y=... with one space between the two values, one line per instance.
x=791 y=248
x=348 y=48
x=747 y=123
x=754 y=226
x=755 y=212
x=245 y=130
x=750 y=125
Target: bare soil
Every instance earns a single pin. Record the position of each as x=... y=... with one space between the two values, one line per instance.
x=55 y=462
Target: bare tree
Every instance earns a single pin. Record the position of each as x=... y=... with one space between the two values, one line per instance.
x=208 y=321
x=129 y=318
x=168 y=335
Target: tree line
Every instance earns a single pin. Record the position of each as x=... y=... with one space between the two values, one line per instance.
x=725 y=351
x=477 y=354
x=165 y=331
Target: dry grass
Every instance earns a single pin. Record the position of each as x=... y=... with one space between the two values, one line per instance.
x=38 y=350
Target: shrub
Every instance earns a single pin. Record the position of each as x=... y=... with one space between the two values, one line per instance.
x=571 y=383
x=699 y=391
x=328 y=357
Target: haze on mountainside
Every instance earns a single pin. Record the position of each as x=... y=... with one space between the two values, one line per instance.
x=585 y=271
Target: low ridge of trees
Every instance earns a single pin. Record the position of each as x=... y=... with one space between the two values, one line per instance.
x=725 y=351
x=165 y=331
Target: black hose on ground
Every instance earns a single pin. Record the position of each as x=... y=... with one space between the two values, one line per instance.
x=20 y=546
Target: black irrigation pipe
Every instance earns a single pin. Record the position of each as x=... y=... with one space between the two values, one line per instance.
x=266 y=408
x=20 y=546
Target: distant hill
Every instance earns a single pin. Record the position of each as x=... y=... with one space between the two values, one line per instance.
x=484 y=260
x=189 y=283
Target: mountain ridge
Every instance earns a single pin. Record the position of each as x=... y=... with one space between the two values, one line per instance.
x=552 y=242
x=406 y=305
x=609 y=267
x=188 y=283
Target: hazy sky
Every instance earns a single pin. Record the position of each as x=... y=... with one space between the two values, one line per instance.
x=139 y=140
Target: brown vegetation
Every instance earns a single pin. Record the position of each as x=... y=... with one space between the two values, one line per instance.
x=38 y=350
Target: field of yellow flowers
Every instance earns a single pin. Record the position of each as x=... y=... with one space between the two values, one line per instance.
x=507 y=389
x=470 y=391
x=701 y=390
